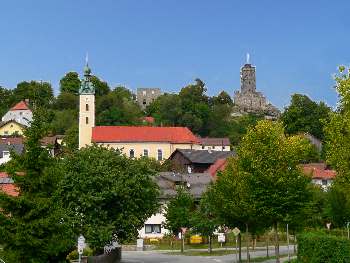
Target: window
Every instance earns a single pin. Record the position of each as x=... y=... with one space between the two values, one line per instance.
x=324 y=182
x=152 y=91
x=152 y=228
x=144 y=102
x=144 y=93
x=213 y=147
x=203 y=147
x=145 y=152
x=6 y=132
x=132 y=153
x=87 y=107
x=87 y=120
x=160 y=155
x=5 y=154
x=223 y=147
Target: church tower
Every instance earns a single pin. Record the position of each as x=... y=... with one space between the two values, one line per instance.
x=86 y=108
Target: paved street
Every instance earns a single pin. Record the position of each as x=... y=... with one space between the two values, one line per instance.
x=161 y=257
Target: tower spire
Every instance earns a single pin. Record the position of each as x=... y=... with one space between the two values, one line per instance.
x=248 y=58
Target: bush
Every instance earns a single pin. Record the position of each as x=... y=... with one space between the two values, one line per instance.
x=74 y=254
x=317 y=247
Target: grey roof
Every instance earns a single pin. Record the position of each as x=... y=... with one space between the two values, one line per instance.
x=214 y=141
x=196 y=183
x=17 y=148
x=204 y=156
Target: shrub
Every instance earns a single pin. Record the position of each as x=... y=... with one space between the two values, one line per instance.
x=317 y=247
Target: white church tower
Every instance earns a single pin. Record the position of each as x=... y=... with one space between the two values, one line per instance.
x=86 y=108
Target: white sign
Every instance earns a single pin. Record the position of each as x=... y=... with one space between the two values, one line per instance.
x=221 y=238
x=81 y=244
x=236 y=231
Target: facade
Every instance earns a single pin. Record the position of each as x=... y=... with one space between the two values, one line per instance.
x=20 y=113
x=215 y=144
x=145 y=96
x=11 y=127
x=137 y=141
x=168 y=182
x=248 y=100
x=197 y=161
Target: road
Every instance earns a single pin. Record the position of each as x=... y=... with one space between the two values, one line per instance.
x=161 y=257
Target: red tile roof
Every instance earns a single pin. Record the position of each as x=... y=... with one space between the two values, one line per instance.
x=22 y=105
x=104 y=134
x=319 y=171
x=219 y=165
x=8 y=188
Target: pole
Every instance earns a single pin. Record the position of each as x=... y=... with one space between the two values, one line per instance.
x=79 y=258
x=288 y=243
x=236 y=251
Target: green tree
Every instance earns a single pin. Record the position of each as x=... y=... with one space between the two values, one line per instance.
x=40 y=94
x=33 y=226
x=7 y=100
x=101 y=87
x=70 y=83
x=204 y=220
x=305 y=115
x=277 y=185
x=178 y=213
x=107 y=195
x=66 y=100
x=63 y=120
x=222 y=99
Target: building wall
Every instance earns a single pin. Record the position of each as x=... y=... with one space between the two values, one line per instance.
x=152 y=147
x=21 y=116
x=86 y=118
x=212 y=147
x=145 y=96
x=156 y=219
x=10 y=129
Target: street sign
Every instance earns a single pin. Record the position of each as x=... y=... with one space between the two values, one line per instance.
x=221 y=238
x=81 y=244
x=183 y=230
x=236 y=231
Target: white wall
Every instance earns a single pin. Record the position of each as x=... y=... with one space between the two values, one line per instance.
x=21 y=116
x=158 y=219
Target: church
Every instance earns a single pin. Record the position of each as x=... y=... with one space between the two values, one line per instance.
x=134 y=141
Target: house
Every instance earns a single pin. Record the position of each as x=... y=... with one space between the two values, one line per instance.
x=168 y=182
x=16 y=144
x=7 y=185
x=215 y=144
x=21 y=113
x=11 y=128
x=133 y=141
x=321 y=174
x=197 y=161
x=8 y=144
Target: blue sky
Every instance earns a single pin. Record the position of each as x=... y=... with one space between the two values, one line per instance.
x=295 y=45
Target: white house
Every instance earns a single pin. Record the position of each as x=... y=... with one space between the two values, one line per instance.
x=20 y=113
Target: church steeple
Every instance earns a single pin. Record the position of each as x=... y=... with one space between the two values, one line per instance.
x=86 y=108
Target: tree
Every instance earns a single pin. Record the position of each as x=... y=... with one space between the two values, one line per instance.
x=305 y=115
x=7 y=100
x=66 y=101
x=40 y=94
x=222 y=99
x=178 y=213
x=70 y=83
x=101 y=87
x=33 y=226
x=277 y=185
x=203 y=220
x=233 y=202
x=63 y=120
x=107 y=195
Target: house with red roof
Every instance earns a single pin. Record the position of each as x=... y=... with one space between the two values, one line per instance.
x=133 y=141
x=16 y=119
x=320 y=174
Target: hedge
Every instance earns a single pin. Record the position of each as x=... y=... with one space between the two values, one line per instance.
x=318 y=247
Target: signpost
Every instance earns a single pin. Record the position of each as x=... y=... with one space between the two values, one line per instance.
x=221 y=238
x=236 y=232
x=81 y=246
